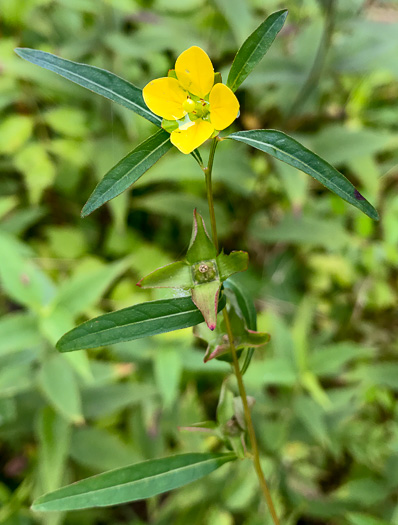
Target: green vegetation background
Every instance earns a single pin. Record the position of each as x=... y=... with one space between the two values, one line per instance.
x=323 y=275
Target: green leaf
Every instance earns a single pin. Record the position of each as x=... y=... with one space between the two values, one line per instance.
x=307 y=230
x=83 y=290
x=132 y=483
x=245 y=302
x=100 y=449
x=288 y=150
x=237 y=14
x=54 y=440
x=59 y=384
x=357 y=518
x=18 y=331
x=246 y=306
x=20 y=278
x=101 y=401
x=128 y=170
x=140 y=320
x=201 y=248
x=14 y=132
x=174 y=275
x=93 y=78
x=254 y=48
x=232 y=263
x=168 y=367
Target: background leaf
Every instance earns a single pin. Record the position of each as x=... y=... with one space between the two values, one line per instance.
x=59 y=384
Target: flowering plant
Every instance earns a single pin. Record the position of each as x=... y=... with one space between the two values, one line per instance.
x=190 y=106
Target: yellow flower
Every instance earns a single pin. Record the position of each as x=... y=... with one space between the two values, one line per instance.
x=192 y=106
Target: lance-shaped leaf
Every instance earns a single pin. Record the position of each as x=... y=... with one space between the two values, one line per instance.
x=254 y=48
x=202 y=272
x=201 y=247
x=233 y=263
x=93 y=78
x=174 y=275
x=287 y=149
x=140 y=320
x=218 y=341
x=139 y=481
x=128 y=170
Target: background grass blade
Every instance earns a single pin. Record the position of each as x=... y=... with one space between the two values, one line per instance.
x=93 y=78
x=132 y=483
x=287 y=149
x=140 y=320
x=128 y=170
x=254 y=48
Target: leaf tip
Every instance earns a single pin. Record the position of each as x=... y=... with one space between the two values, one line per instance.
x=60 y=345
x=85 y=211
x=375 y=216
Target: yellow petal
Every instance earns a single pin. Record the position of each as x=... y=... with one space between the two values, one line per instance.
x=195 y=71
x=186 y=140
x=165 y=97
x=224 y=106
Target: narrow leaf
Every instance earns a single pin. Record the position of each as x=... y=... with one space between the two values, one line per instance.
x=84 y=289
x=174 y=275
x=128 y=170
x=132 y=483
x=93 y=78
x=248 y=310
x=59 y=384
x=288 y=150
x=245 y=302
x=140 y=320
x=236 y=261
x=254 y=48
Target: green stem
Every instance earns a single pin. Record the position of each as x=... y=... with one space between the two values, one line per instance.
x=208 y=171
x=249 y=422
x=242 y=391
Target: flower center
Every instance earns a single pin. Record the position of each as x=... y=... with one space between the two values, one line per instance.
x=204 y=271
x=188 y=105
x=198 y=109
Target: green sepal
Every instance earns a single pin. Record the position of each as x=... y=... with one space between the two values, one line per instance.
x=233 y=263
x=201 y=248
x=205 y=297
x=174 y=275
x=225 y=406
x=206 y=427
x=169 y=125
x=217 y=78
x=172 y=74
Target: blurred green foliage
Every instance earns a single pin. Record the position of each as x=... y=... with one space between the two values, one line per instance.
x=324 y=276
